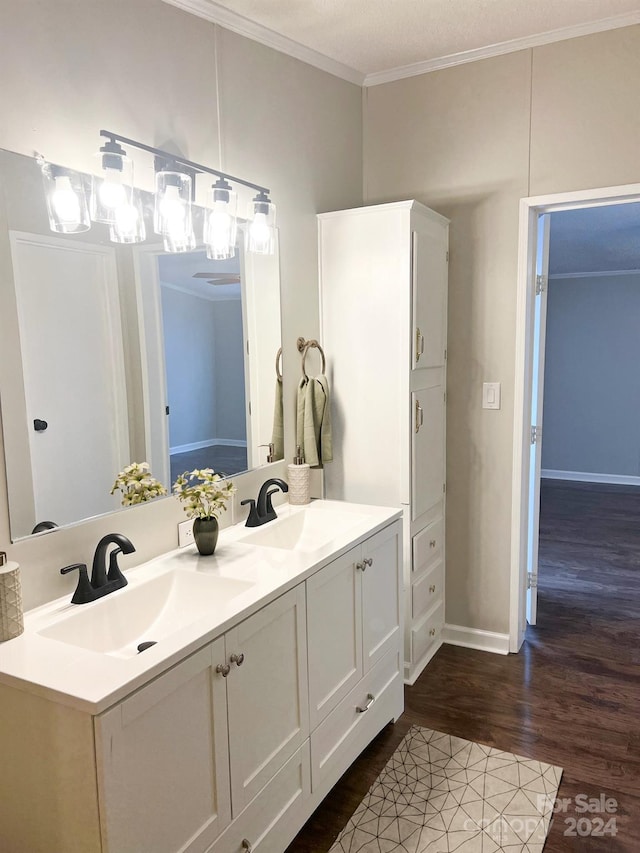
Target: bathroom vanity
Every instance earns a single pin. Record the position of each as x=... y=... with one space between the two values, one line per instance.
x=275 y=663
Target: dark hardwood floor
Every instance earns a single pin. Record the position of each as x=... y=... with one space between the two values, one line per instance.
x=572 y=695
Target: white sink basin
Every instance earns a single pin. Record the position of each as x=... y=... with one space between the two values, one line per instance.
x=149 y=611
x=307 y=530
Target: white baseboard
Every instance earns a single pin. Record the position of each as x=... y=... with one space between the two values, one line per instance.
x=586 y=477
x=212 y=442
x=473 y=638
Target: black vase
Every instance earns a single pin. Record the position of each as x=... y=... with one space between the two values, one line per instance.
x=205 y=534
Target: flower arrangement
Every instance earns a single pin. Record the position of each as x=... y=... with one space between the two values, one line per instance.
x=203 y=492
x=137 y=484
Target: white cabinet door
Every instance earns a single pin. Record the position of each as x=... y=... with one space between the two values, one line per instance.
x=429 y=241
x=381 y=557
x=427 y=449
x=163 y=763
x=267 y=693
x=334 y=615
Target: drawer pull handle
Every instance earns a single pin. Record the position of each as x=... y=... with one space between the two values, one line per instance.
x=246 y=845
x=432 y=543
x=419 y=416
x=368 y=561
x=237 y=659
x=419 y=344
x=432 y=588
x=370 y=700
x=361 y=567
x=432 y=632
x=223 y=669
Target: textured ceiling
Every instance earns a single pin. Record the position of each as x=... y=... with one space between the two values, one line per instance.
x=378 y=35
x=595 y=239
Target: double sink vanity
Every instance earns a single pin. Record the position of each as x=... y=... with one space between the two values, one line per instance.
x=264 y=671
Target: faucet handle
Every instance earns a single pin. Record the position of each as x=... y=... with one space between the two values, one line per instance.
x=84 y=591
x=252 y=519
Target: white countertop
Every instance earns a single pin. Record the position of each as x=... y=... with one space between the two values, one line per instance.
x=93 y=681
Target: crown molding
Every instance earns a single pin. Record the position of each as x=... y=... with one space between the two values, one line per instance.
x=211 y=11
x=378 y=77
x=216 y=14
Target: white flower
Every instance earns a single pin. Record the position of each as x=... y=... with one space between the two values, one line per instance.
x=203 y=492
x=137 y=484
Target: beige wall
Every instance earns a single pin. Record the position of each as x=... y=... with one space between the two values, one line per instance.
x=148 y=70
x=470 y=142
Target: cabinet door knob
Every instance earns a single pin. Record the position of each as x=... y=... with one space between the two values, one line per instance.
x=246 y=845
x=368 y=561
x=361 y=567
x=370 y=700
x=223 y=669
x=432 y=588
x=237 y=659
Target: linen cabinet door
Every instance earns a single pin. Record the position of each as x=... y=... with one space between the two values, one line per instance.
x=381 y=594
x=163 y=762
x=429 y=240
x=267 y=693
x=427 y=449
x=334 y=617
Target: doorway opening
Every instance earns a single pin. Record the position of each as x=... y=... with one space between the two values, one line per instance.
x=578 y=283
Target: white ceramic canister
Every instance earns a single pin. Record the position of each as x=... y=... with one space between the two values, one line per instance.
x=11 y=613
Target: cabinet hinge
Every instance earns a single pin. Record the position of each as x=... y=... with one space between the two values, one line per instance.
x=445 y=355
x=447 y=257
x=444 y=488
x=532 y=581
x=445 y=396
x=536 y=434
x=541 y=284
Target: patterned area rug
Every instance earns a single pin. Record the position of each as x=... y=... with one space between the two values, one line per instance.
x=439 y=794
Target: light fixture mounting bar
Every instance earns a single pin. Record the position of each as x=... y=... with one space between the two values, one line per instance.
x=176 y=158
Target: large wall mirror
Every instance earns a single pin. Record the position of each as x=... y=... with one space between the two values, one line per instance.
x=112 y=354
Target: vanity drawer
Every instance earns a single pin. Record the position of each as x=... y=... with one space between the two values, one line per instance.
x=342 y=736
x=427 y=632
x=427 y=590
x=428 y=546
x=273 y=817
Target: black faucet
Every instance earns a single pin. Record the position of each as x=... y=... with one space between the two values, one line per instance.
x=102 y=582
x=262 y=511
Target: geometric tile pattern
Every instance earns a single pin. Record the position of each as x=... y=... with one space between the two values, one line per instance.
x=440 y=794
x=11 y=621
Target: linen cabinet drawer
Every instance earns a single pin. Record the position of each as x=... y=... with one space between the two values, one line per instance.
x=273 y=817
x=428 y=546
x=427 y=632
x=341 y=737
x=427 y=591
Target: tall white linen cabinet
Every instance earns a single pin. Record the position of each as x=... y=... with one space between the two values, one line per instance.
x=383 y=296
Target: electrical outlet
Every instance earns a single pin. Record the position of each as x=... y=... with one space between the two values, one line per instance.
x=185 y=533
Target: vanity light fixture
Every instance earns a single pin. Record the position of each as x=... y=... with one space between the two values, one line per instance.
x=66 y=199
x=112 y=188
x=261 y=233
x=116 y=202
x=220 y=222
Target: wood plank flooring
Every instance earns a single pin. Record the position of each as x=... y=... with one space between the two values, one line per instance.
x=572 y=695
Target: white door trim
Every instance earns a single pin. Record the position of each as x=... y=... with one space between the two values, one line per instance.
x=530 y=209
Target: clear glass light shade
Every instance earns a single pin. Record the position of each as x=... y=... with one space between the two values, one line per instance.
x=111 y=188
x=179 y=242
x=261 y=226
x=220 y=222
x=172 y=212
x=66 y=200
x=129 y=226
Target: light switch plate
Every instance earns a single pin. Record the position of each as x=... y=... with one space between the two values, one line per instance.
x=491 y=395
